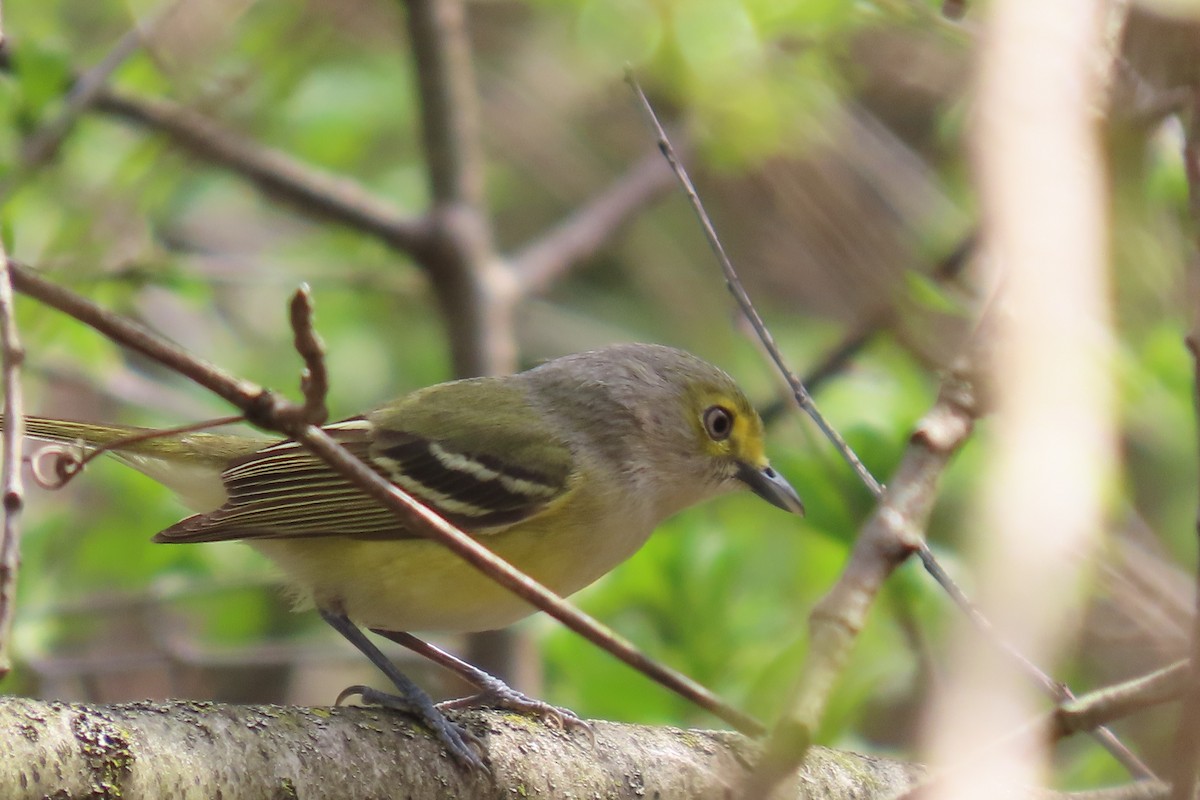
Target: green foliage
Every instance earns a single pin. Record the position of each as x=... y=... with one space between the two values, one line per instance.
x=722 y=592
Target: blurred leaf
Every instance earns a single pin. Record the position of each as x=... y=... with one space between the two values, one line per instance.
x=43 y=71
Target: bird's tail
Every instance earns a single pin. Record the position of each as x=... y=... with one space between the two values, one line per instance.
x=188 y=463
x=65 y=431
x=217 y=449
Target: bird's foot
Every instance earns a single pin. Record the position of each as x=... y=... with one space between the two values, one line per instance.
x=465 y=747
x=501 y=695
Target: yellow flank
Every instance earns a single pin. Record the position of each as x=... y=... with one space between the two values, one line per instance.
x=419 y=585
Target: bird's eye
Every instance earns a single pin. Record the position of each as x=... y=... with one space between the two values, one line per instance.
x=718 y=423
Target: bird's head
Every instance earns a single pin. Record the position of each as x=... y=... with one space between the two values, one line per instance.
x=677 y=423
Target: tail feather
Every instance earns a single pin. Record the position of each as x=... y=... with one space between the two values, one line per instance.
x=189 y=464
x=66 y=431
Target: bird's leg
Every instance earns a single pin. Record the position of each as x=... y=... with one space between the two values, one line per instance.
x=493 y=692
x=411 y=700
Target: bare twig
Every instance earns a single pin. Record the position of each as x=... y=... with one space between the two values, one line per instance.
x=803 y=398
x=892 y=533
x=792 y=732
x=54 y=465
x=11 y=356
x=314 y=380
x=1057 y=691
x=734 y=284
x=1102 y=706
x=267 y=410
x=1085 y=713
x=309 y=189
x=243 y=394
x=540 y=262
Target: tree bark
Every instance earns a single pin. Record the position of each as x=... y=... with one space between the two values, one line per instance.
x=178 y=749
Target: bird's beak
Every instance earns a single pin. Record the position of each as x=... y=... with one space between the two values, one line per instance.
x=770 y=486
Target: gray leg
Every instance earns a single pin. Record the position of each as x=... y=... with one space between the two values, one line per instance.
x=411 y=700
x=493 y=692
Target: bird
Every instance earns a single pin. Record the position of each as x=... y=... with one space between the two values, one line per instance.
x=564 y=470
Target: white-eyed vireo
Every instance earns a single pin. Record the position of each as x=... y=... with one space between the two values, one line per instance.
x=563 y=470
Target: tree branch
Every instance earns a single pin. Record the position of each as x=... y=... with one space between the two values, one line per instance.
x=892 y=533
x=307 y=188
x=11 y=490
x=540 y=262
x=449 y=102
x=187 y=750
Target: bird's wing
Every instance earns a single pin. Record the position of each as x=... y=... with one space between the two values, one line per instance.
x=480 y=477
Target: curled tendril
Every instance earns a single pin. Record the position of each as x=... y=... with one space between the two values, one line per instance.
x=54 y=465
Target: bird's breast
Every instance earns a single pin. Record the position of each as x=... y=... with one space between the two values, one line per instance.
x=419 y=585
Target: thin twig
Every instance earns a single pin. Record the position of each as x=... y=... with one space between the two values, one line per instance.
x=54 y=466
x=243 y=394
x=1085 y=713
x=1057 y=691
x=946 y=270
x=540 y=262
x=11 y=356
x=1102 y=706
x=314 y=380
x=892 y=533
x=267 y=410
x=803 y=398
x=792 y=732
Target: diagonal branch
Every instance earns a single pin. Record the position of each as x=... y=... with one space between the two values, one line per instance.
x=803 y=399
x=893 y=532
x=305 y=187
x=540 y=262
x=1111 y=703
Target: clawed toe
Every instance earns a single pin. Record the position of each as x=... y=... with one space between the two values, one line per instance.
x=512 y=700
x=465 y=747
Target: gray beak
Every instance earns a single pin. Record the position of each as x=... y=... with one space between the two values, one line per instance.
x=771 y=486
